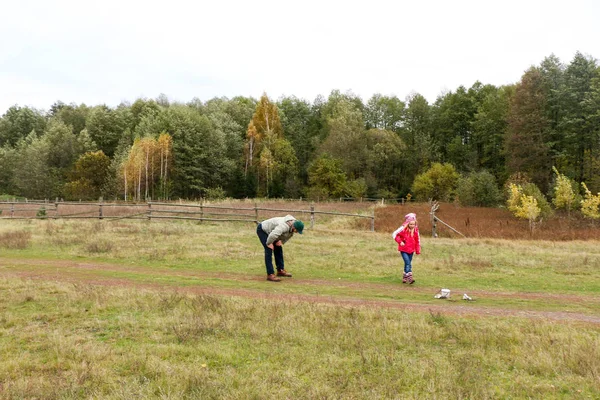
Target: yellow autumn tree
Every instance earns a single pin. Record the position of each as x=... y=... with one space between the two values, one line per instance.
x=590 y=205
x=523 y=205
x=564 y=195
x=147 y=164
x=263 y=138
x=165 y=148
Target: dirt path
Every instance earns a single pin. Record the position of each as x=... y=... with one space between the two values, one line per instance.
x=84 y=272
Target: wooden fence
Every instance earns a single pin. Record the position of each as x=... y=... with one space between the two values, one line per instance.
x=154 y=210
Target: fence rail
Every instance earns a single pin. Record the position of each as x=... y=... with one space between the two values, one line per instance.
x=153 y=210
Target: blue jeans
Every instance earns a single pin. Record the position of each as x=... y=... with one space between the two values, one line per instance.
x=407 y=257
x=278 y=250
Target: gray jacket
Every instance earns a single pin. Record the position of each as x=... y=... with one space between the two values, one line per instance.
x=278 y=229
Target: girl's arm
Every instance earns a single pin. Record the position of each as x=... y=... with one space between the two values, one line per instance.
x=397 y=231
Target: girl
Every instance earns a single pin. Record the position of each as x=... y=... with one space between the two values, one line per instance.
x=407 y=237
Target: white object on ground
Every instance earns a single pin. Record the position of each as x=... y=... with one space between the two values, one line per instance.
x=443 y=294
x=466 y=297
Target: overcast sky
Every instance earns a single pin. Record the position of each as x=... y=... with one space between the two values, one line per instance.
x=106 y=52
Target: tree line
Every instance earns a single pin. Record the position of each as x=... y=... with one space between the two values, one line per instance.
x=468 y=144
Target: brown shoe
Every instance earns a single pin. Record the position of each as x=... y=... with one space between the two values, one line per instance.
x=273 y=278
x=283 y=272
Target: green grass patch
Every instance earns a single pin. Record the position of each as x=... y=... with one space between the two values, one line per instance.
x=72 y=341
x=119 y=309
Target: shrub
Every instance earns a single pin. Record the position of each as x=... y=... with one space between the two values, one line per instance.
x=523 y=205
x=356 y=188
x=479 y=189
x=216 y=193
x=386 y=194
x=15 y=240
x=99 y=246
x=590 y=205
x=41 y=213
x=530 y=189
x=437 y=183
x=565 y=196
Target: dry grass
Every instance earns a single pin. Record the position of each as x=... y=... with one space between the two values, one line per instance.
x=475 y=222
x=15 y=240
x=80 y=341
x=478 y=222
x=61 y=340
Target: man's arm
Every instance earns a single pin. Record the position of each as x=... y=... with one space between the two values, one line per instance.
x=276 y=233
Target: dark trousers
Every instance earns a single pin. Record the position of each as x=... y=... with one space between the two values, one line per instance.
x=278 y=250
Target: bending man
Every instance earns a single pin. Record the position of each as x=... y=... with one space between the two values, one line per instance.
x=273 y=233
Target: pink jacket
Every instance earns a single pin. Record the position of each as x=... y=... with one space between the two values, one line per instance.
x=412 y=244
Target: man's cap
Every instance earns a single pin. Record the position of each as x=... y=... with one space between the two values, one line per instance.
x=299 y=225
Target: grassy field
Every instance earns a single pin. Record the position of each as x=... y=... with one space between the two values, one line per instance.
x=116 y=309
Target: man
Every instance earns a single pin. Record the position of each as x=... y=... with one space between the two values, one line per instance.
x=273 y=233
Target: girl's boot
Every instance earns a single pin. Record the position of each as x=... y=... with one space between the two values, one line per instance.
x=405 y=278
x=409 y=278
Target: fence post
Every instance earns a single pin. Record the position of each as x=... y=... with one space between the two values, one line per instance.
x=312 y=215
x=434 y=208
x=256 y=212
x=201 y=209
x=56 y=209
x=373 y=220
x=149 y=211
x=100 y=209
x=12 y=209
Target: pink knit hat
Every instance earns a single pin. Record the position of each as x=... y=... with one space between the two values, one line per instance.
x=410 y=217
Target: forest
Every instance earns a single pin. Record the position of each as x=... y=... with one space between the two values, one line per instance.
x=468 y=145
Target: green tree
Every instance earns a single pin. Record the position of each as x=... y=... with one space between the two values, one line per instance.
x=7 y=161
x=326 y=178
x=552 y=73
x=384 y=112
x=18 y=122
x=143 y=108
x=347 y=140
x=421 y=149
x=199 y=153
x=106 y=126
x=356 y=188
x=479 y=189
x=526 y=141
x=301 y=128
x=386 y=161
x=32 y=177
x=489 y=130
x=72 y=115
x=453 y=115
x=87 y=179
x=63 y=146
x=437 y=183
x=285 y=170
x=591 y=109
x=42 y=163
x=578 y=132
